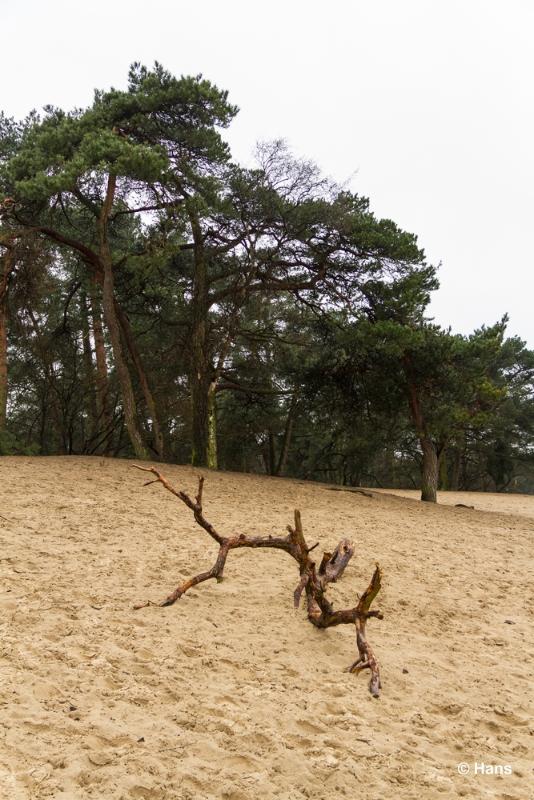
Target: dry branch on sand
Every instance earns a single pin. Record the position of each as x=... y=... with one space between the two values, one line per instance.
x=350 y=489
x=314 y=582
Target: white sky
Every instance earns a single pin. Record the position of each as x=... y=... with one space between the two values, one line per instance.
x=427 y=104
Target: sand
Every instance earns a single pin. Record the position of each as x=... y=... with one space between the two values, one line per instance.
x=231 y=693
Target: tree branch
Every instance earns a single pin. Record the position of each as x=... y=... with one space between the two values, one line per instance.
x=313 y=582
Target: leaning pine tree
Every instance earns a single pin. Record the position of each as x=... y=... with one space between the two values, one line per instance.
x=314 y=582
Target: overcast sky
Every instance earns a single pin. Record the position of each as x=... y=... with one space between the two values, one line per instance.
x=426 y=106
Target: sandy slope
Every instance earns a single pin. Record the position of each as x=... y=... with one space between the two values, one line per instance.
x=230 y=694
x=517 y=504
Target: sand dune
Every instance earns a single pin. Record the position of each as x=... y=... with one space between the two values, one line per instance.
x=230 y=693
x=521 y=505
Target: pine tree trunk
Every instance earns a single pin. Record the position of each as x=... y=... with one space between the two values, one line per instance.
x=113 y=326
x=125 y=383
x=455 y=472
x=200 y=410
x=212 y=462
x=286 y=442
x=5 y=267
x=443 y=471
x=104 y=416
x=143 y=381
x=3 y=364
x=430 y=465
x=90 y=382
x=272 y=452
x=429 y=472
x=44 y=427
x=204 y=451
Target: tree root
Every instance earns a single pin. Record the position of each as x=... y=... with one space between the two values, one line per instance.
x=313 y=582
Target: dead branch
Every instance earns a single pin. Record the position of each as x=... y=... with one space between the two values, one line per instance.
x=350 y=489
x=312 y=581
x=366 y=658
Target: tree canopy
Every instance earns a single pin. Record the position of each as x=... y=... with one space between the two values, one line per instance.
x=158 y=299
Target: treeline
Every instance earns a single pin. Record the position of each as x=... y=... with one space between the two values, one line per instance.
x=158 y=300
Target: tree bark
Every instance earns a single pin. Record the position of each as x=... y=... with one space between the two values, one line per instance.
x=90 y=381
x=104 y=416
x=113 y=326
x=125 y=383
x=202 y=394
x=429 y=471
x=3 y=367
x=212 y=460
x=430 y=462
x=143 y=381
x=199 y=383
x=5 y=269
x=271 y=452
x=443 y=470
x=286 y=442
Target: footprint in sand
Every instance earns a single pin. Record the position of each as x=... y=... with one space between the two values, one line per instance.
x=10 y=786
x=147 y=793
x=309 y=727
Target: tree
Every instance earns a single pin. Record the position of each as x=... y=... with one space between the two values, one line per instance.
x=158 y=299
x=279 y=230
x=107 y=162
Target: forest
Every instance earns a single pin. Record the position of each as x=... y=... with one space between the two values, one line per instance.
x=160 y=301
